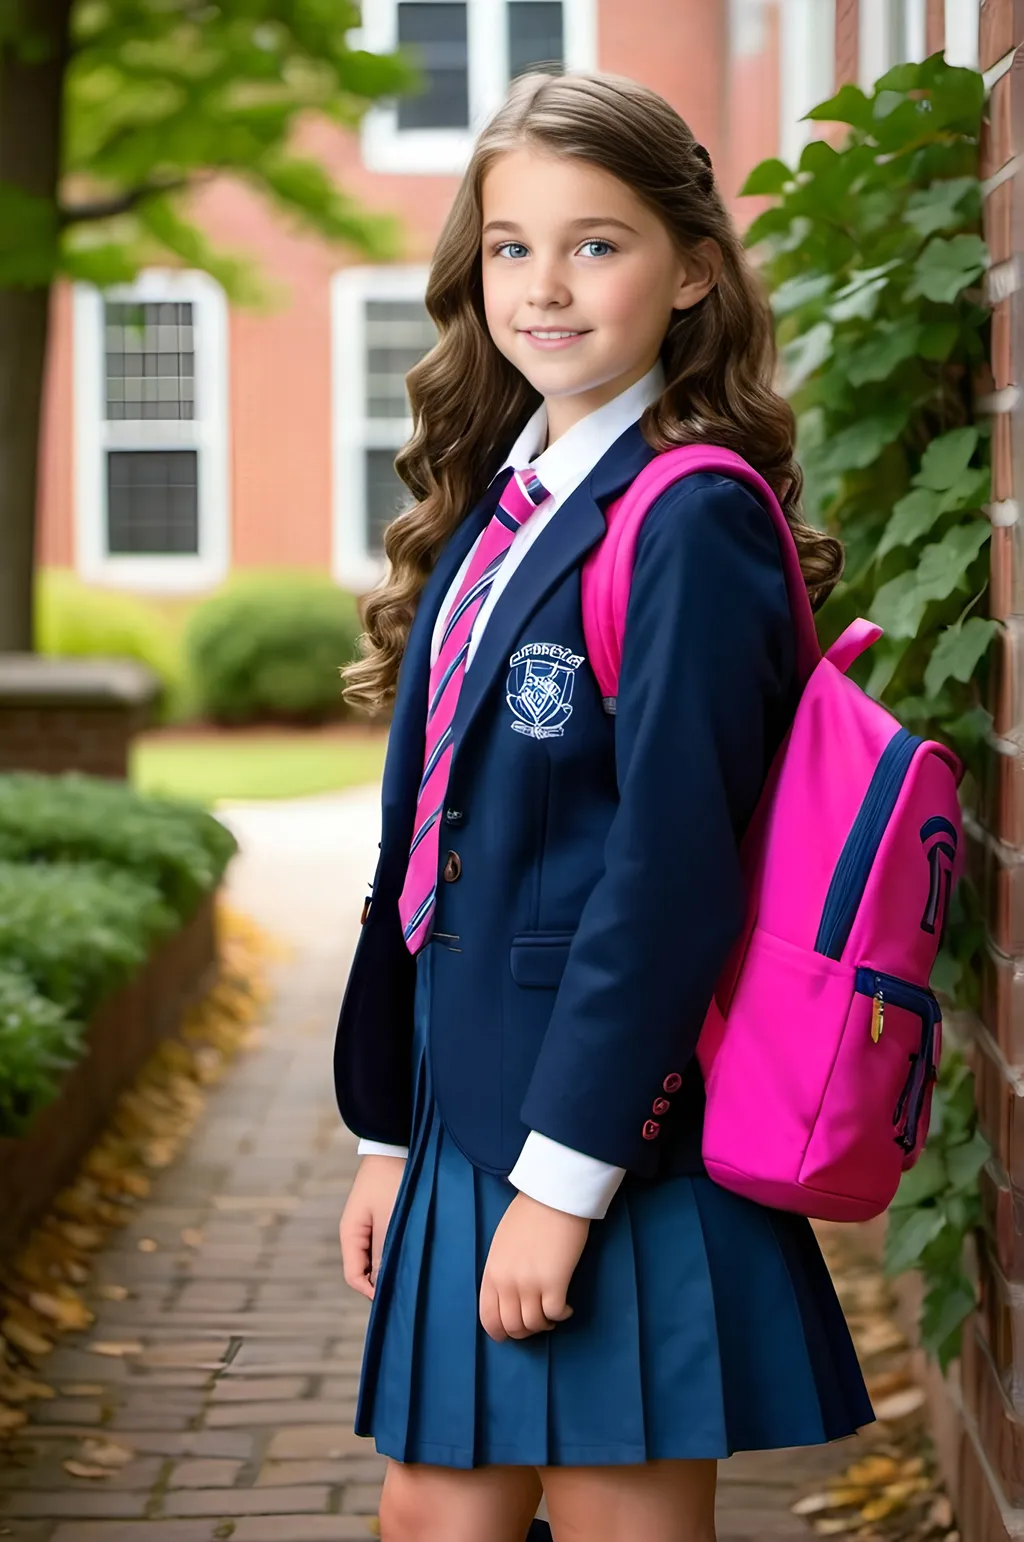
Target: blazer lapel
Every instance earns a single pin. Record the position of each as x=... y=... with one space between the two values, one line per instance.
x=403 y=766
x=577 y=526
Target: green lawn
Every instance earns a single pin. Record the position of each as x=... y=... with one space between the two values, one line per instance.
x=222 y=767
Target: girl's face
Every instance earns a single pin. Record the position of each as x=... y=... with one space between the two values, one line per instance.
x=569 y=249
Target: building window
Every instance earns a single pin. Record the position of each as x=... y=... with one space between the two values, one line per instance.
x=808 y=69
x=891 y=32
x=467 y=51
x=380 y=330
x=150 y=380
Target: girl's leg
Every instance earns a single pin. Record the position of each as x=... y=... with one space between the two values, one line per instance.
x=659 y=1501
x=449 y=1504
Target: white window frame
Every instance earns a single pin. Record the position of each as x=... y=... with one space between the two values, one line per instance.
x=207 y=433
x=876 y=54
x=962 y=23
x=807 y=62
x=353 y=565
x=387 y=148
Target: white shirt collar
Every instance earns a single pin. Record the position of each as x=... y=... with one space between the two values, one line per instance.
x=573 y=456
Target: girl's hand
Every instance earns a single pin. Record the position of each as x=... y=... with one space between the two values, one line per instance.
x=364 y=1221
x=533 y=1255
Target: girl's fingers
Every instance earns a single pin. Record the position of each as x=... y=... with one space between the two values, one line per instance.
x=490 y=1315
x=355 y=1255
x=555 y=1307
x=535 y=1318
x=511 y=1310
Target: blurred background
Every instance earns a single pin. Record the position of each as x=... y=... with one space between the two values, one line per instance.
x=213 y=453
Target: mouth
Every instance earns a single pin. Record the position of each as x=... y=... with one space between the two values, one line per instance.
x=552 y=337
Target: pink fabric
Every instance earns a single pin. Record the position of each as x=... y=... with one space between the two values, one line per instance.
x=804 y=1105
x=522 y=496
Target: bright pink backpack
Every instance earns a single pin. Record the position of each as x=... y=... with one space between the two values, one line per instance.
x=821 y=1045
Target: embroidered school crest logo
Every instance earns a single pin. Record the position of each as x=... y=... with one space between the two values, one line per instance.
x=539 y=689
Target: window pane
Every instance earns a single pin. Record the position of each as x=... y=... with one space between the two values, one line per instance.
x=386 y=496
x=144 y=341
x=535 y=36
x=436 y=36
x=398 y=334
x=152 y=501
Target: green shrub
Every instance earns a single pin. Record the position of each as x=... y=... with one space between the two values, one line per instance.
x=270 y=647
x=38 y=1043
x=178 y=849
x=76 y=621
x=78 y=930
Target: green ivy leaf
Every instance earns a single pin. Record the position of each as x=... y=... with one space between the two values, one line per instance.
x=924 y=1180
x=805 y=354
x=908 y=1234
x=945 y=268
x=858 y=300
x=863 y=442
x=938 y=338
x=886 y=347
x=945 y=459
x=958 y=652
x=945 y=1307
x=943 y=204
x=849 y=105
x=900 y=604
x=800 y=291
x=945 y=975
x=966 y=1160
x=768 y=176
x=912 y=517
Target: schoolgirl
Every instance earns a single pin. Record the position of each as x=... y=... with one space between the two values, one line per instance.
x=562 y=1299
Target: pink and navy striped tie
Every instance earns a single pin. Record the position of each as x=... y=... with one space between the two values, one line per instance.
x=522 y=496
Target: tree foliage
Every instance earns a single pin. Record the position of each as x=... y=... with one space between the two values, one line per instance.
x=163 y=95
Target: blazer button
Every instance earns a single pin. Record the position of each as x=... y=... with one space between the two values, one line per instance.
x=652 y=1129
x=660 y=1106
x=452 y=867
x=673 y=1081
x=453 y=816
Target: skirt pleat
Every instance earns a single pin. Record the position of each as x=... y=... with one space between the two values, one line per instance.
x=702 y=1324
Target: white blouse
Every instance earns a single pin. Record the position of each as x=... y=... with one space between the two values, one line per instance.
x=554 y=1174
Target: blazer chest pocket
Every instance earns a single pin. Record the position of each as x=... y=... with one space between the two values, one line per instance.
x=538 y=958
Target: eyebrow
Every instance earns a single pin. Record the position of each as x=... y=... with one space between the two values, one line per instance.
x=585 y=222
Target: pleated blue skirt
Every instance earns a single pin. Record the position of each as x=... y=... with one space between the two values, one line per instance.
x=703 y=1324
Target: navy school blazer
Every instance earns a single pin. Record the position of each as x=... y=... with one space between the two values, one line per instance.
x=589 y=885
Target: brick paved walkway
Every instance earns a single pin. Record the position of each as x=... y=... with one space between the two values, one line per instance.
x=234 y=1389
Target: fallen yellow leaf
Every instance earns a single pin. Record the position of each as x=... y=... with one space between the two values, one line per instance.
x=85 y=1470
x=105 y=1453
x=113 y=1292
x=114 y=1348
x=25 y=1338
x=147 y=1245
x=12 y=1419
x=192 y=1237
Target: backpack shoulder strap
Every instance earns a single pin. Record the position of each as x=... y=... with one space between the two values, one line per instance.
x=608 y=571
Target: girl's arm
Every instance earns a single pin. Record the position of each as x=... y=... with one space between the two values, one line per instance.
x=707 y=672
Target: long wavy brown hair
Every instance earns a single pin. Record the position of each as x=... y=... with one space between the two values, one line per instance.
x=469 y=402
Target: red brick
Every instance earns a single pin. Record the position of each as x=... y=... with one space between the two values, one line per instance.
x=1000 y=1430
x=1001 y=28
x=1002 y=1003
x=1000 y=216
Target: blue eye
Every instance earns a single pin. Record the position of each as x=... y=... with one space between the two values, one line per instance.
x=597 y=241
x=499 y=250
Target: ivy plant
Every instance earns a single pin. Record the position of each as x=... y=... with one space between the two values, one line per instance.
x=873 y=256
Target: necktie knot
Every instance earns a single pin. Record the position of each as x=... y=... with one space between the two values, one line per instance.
x=524 y=493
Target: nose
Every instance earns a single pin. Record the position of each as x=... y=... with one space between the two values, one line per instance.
x=546 y=286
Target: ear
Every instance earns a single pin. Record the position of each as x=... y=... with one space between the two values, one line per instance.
x=702 y=268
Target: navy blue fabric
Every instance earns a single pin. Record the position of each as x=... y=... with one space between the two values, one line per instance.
x=600 y=888
x=703 y=1324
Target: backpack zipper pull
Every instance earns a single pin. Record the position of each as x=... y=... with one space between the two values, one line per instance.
x=877 y=1015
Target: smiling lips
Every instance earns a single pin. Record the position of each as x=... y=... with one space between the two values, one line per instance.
x=548 y=337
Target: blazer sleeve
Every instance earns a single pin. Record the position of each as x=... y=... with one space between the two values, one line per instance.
x=707 y=671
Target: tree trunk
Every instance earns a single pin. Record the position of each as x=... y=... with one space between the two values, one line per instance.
x=31 y=122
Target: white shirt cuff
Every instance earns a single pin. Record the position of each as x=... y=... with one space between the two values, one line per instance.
x=565 y=1179
x=379 y=1148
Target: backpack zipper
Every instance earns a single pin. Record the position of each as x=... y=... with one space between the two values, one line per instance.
x=854 y=866
x=920 y=1000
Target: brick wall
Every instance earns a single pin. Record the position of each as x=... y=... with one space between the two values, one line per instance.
x=72 y=714
x=990 y=1479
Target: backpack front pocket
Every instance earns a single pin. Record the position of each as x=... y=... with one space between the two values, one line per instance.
x=874 y=1112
